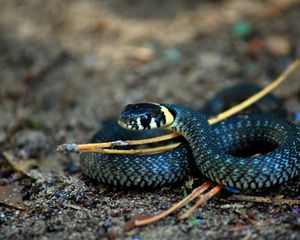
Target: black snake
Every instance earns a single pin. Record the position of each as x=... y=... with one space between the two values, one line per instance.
x=225 y=153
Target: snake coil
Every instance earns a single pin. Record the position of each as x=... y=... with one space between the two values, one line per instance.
x=225 y=152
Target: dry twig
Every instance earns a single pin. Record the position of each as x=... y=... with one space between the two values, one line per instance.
x=100 y=147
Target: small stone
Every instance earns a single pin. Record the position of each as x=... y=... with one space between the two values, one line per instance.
x=172 y=55
x=242 y=29
x=142 y=54
x=34 y=142
x=278 y=45
x=92 y=63
x=2 y=218
x=2 y=137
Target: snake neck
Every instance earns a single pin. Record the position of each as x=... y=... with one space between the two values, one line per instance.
x=195 y=128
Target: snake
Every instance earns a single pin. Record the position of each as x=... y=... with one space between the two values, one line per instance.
x=247 y=151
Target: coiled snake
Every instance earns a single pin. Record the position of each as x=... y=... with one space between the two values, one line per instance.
x=225 y=153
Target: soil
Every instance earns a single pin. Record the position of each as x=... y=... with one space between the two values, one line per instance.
x=66 y=66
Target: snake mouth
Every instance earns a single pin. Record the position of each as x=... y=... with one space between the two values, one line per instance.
x=145 y=116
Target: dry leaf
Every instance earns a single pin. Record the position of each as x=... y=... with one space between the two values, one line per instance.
x=10 y=195
x=21 y=166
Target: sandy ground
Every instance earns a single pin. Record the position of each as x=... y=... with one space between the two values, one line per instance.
x=65 y=66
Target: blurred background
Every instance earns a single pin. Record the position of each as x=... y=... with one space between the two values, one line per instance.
x=65 y=66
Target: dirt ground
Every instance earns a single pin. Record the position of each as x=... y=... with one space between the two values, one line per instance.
x=65 y=66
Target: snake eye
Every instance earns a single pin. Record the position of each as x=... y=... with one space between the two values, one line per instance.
x=145 y=120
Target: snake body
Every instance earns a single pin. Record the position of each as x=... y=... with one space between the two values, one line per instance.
x=135 y=171
x=277 y=140
x=224 y=153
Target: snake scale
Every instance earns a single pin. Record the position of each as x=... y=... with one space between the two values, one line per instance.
x=225 y=153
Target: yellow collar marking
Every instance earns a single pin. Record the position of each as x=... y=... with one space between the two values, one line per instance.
x=168 y=115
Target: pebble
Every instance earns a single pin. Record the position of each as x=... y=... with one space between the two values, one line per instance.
x=278 y=45
x=93 y=63
x=2 y=218
x=33 y=142
x=242 y=29
x=2 y=136
x=172 y=55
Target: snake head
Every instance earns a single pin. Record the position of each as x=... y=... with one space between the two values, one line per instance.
x=143 y=116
